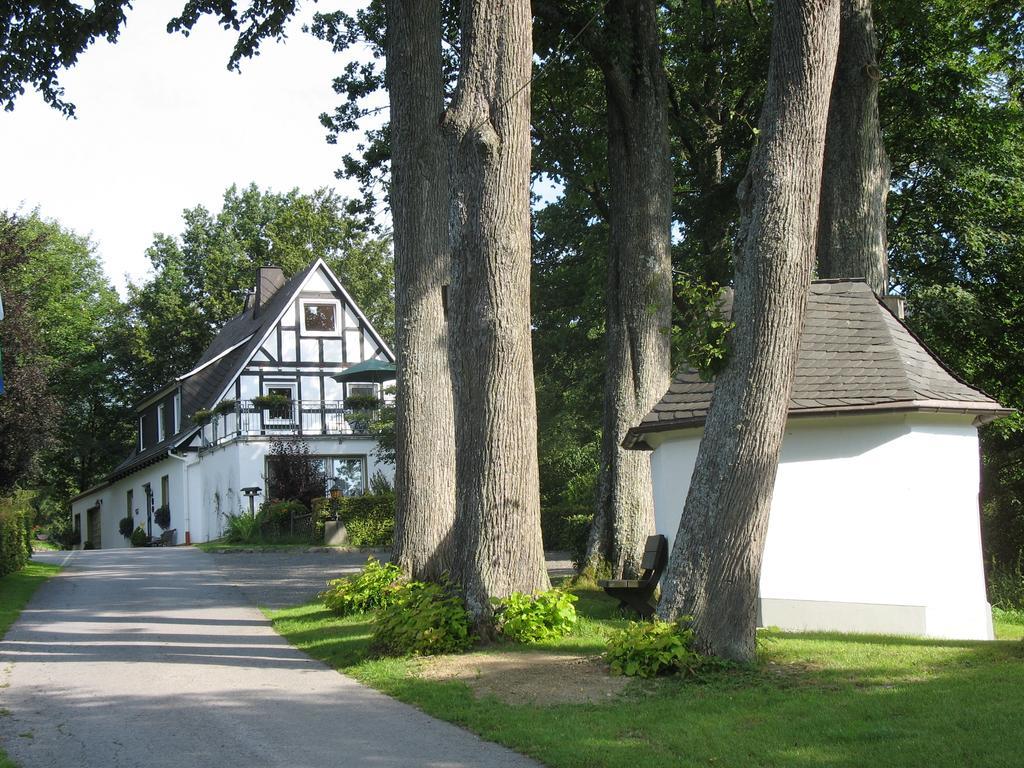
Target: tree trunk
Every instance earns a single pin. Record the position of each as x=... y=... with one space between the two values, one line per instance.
x=639 y=288
x=497 y=517
x=425 y=442
x=855 y=183
x=716 y=559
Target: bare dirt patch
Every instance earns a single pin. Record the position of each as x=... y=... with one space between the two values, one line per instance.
x=529 y=678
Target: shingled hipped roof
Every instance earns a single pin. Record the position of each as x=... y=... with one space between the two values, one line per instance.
x=855 y=357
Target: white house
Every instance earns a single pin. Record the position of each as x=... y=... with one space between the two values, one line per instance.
x=291 y=339
x=874 y=521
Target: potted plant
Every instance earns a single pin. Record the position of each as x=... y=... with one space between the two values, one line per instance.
x=162 y=516
x=268 y=402
x=126 y=526
x=139 y=537
x=360 y=410
x=202 y=417
x=224 y=407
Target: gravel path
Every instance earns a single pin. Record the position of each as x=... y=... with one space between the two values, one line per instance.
x=155 y=658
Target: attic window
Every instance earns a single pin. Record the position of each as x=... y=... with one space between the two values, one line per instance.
x=320 y=318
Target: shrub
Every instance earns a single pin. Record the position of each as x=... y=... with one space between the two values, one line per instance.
x=1006 y=586
x=270 y=402
x=242 y=528
x=423 y=620
x=15 y=549
x=533 y=618
x=125 y=526
x=646 y=649
x=379 y=484
x=140 y=538
x=374 y=587
x=162 y=516
x=369 y=520
x=275 y=517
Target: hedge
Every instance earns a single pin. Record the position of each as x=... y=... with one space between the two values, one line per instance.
x=369 y=520
x=565 y=527
x=15 y=545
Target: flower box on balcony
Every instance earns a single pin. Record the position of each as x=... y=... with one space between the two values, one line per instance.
x=225 y=406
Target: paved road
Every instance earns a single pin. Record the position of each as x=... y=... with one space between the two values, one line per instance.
x=149 y=658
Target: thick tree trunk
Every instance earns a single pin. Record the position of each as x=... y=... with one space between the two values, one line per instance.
x=716 y=558
x=639 y=287
x=425 y=455
x=855 y=183
x=497 y=495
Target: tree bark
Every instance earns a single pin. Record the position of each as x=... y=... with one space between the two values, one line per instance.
x=639 y=287
x=497 y=496
x=716 y=559
x=855 y=182
x=425 y=441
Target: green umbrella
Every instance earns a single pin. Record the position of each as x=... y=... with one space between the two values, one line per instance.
x=377 y=371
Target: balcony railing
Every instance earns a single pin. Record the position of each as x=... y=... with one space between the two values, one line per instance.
x=308 y=418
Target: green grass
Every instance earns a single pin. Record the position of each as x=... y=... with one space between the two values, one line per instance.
x=216 y=546
x=16 y=589
x=814 y=699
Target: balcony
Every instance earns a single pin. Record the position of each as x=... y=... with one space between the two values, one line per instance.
x=297 y=418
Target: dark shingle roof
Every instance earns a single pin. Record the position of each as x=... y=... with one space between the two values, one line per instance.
x=854 y=356
x=201 y=386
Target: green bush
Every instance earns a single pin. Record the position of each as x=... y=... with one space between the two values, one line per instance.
x=423 y=620
x=162 y=516
x=15 y=548
x=533 y=618
x=647 y=649
x=242 y=528
x=125 y=526
x=274 y=517
x=225 y=406
x=369 y=520
x=1006 y=586
x=202 y=417
x=139 y=537
x=376 y=586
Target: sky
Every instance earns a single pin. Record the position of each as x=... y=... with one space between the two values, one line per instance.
x=162 y=125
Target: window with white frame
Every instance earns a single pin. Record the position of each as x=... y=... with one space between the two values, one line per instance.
x=320 y=317
x=160 y=423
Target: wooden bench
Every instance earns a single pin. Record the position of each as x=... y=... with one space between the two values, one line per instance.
x=638 y=594
x=166 y=539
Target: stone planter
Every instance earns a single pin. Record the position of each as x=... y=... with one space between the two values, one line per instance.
x=335 y=534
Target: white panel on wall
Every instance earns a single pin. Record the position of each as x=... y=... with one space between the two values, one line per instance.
x=309 y=350
x=311 y=388
x=351 y=321
x=318 y=282
x=291 y=317
x=288 y=347
x=353 y=348
x=333 y=351
x=333 y=390
x=269 y=347
x=250 y=387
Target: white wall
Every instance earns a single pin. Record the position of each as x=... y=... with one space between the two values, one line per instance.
x=113 y=503
x=869 y=512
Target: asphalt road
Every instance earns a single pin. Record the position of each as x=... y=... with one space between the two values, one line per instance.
x=152 y=658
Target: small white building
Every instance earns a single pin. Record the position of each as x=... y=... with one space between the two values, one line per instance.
x=291 y=339
x=874 y=524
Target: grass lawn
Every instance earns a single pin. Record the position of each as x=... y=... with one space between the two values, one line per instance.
x=812 y=700
x=217 y=546
x=15 y=591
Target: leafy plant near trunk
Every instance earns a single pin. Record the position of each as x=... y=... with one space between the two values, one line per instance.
x=376 y=586
x=648 y=649
x=533 y=618
x=423 y=620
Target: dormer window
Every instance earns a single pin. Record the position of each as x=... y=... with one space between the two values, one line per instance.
x=320 y=317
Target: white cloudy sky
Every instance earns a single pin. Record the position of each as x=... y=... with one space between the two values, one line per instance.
x=162 y=126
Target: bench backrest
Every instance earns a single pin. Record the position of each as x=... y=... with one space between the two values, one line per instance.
x=655 y=558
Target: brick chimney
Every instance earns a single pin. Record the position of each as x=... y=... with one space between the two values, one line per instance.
x=268 y=281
